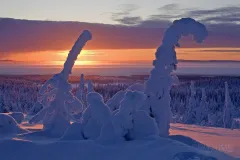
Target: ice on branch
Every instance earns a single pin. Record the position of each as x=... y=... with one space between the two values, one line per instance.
x=160 y=81
x=56 y=92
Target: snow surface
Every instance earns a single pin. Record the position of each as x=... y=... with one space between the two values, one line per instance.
x=151 y=148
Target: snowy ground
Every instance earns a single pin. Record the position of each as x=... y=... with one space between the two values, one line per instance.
x=36 y=148
x=225 y=140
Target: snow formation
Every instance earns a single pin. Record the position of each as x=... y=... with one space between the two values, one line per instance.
x=57 y=92
x=159 y=83
x=132 y=123
x=96 y=115
x=90 y=86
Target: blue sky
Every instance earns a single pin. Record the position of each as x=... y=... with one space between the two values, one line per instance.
x=99 y=11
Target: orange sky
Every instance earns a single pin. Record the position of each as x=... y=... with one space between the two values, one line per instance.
x=122 y=56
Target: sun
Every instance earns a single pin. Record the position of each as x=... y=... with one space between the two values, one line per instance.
x=82 y=59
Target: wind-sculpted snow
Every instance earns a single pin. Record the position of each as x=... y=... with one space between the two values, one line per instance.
x=56 y=92
x=161 y=80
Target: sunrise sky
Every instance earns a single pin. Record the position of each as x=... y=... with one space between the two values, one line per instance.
x=35 y=36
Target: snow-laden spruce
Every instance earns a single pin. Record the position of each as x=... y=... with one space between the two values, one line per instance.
x=81 y=94
x=201 y=110
x=159 y=83
x=130 y=122
x=114 y=102
x=90 y=86
x=228 y=109
x=96 y=115
x=191 y=106
x=55 y=114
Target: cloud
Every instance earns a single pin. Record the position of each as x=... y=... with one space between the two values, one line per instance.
x=23 y=36
x=222 y=23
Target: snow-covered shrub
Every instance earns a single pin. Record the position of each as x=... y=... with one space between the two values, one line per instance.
x=57 y=91
x=160 y=80
x=96 y=115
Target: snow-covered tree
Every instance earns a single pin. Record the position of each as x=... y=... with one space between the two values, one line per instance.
x=130 y=122
x=201 y=110
x=90 y=86
x=228 y=109
x=190 y=114
x=81 y=94
x=57 y=91
x=114 y=102
x=96 y=115
x=136 y=87
x=160 y=81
